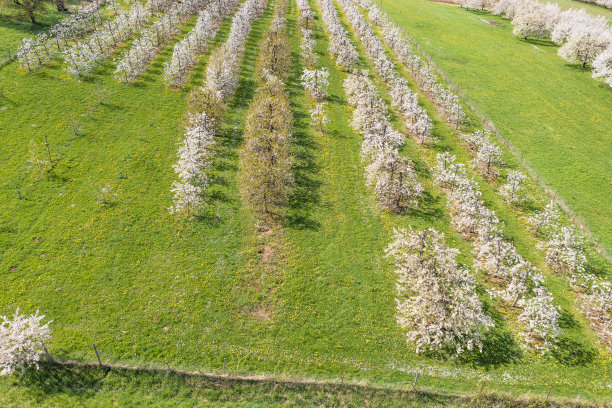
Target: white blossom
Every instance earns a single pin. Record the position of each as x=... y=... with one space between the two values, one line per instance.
x=514 y=189
x=316 y=82
x=394 y=180
x=541 y=319
x=565 y=249
x=22 y=341
x=319 y=116
x=545 y=220
x=437 y=302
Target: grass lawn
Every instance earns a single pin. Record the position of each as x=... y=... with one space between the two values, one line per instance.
x=554 y=114
x=147 y=287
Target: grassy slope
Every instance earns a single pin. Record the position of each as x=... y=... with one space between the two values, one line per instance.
x=554 y=114
x=118 y=275
x=590 y=7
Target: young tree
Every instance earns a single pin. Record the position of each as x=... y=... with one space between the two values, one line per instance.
x=545 y=220
x=514 y=190
x=489 y=155
x=541 y=319
x=565 y=249
x=319 y=116
x=601 y=293
x=316 y=82
x=437 y=302
x=22 y=341
x=394 y=180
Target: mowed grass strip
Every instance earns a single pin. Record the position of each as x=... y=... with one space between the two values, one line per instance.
x=554 y=114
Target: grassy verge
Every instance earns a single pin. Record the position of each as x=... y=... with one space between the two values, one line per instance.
x=72 y=385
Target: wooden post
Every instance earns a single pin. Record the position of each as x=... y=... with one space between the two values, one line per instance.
x=48 y=150
x=482 y=386
x=415 y=382
x=168 y=365
x=224 y=372
x=97 y=355
x=549 y=390
x=47 y=353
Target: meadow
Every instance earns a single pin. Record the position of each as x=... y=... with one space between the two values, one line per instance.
x=149 y=289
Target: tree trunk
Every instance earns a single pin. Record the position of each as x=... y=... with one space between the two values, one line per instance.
x=61 y=6
x=31 y=15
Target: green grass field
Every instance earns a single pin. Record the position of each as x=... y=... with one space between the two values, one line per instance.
x=553 y=113
x=148 y=288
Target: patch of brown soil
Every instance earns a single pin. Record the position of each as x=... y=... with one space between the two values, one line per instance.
x=267 y=253
x=259 y=313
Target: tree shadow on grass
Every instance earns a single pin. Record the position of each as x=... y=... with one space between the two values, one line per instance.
x=429 y=208
x=538 y=42
x=498 y=345
x=305 y=195
x=570 y=353
x=53 y=378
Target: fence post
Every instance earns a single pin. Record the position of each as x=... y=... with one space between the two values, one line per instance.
x=47 y=353
x=482 y=387
x=415 y=382
x=97 y=355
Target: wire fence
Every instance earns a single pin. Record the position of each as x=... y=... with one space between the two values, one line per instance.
x=414 y=383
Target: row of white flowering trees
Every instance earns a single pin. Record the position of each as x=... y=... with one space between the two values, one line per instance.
x=583 y=37
x=134 y=61
x=519 y=282
x=83 y=56
x=391 y=175
x=423 y=73
x=35 y=51
x=186 y=51
x=206 y=112
x=315 y=79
